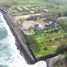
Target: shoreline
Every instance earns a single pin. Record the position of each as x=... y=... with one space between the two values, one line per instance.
x=20 y=39
x=21 y=42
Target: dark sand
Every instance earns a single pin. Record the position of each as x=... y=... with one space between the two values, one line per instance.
x=20 y=39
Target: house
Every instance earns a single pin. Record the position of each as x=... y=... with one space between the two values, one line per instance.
x=52 y=23
x=38 y=27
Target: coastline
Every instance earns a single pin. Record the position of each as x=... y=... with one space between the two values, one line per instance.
x=21 y=42
x=20 y=39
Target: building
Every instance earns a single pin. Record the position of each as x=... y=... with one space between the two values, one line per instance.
x=52 y=23
x=38 y=27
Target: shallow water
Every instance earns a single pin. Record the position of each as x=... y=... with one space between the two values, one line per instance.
x=9 y=54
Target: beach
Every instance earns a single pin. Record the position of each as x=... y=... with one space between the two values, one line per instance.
x=20 y=39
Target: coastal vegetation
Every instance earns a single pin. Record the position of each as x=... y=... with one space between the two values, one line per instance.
x=44 y=22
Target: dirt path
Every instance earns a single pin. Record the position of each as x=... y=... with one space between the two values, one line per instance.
x=25 y=16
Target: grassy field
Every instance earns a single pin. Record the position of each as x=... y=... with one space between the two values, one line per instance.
x=44 y=44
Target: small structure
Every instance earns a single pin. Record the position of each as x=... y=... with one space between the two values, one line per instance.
x=32 y=11
x=26 y=8
x=46 y=10
x=38 y=27
x=32 y=8
x=52 y=23
x=19 y=9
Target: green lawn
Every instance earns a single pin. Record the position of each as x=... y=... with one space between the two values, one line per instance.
x=47 y=43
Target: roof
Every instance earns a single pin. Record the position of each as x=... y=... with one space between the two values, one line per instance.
x=39 y=27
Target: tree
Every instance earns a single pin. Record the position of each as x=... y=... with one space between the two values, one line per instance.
x=59 y=14
x=62 y=48
x=62 y=21
x=65 y=13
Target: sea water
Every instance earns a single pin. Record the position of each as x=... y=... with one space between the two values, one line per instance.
x=9 y=54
